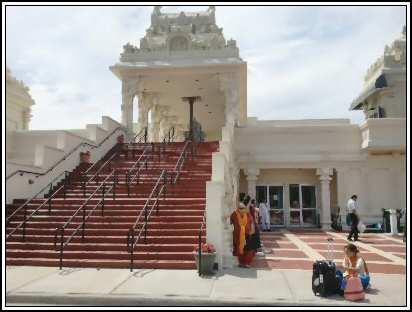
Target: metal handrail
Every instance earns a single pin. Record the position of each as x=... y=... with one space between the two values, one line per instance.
x=63 y=243
x=142 y=135
x=83 y=207
x=132 y=240
x=49 y=199
x=64 y=157
x=180 y=162
x=48 y=185
x=101 y=167
x=200 y=244
x=25 y=218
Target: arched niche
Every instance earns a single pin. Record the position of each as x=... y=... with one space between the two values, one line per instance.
x=179 y=43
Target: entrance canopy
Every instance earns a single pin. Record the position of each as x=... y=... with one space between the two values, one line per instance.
x=183 y=55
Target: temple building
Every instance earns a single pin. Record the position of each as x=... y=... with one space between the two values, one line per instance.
x=306 y=170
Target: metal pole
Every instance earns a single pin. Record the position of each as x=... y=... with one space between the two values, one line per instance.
x=24 y=222
x=103 y=194
x=84 y=187
x=145 y=225
x=64 y=185
x=61 y=247
x=128 y=183
x=84 y=221
x=200 y=253
x=114 y=185
x=131 y=252
x=191 y=101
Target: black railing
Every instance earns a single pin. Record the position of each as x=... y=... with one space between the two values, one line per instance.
x=181 y=160
x=86 y=181
x=51 y=195
x=47 y=201
x=85 y=217
x=168 y=138
x=136 y=167
x=199 y=253
x=101 y=187
x=37 y=174
x=141 y=137
x=133 y=239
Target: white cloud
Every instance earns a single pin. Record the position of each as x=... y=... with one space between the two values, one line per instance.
x=303 y=62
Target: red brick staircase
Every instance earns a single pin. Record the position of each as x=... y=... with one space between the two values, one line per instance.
x=172 y=234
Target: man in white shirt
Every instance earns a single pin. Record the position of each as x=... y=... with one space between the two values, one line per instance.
x=264 y=212
x=352 y=205
x=352 y=217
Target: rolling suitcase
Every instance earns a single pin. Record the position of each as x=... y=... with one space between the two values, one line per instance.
x=324 y=280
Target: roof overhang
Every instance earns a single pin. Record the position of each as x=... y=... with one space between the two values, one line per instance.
x=379 y=85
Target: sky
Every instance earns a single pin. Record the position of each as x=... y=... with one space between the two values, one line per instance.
x=303 y=62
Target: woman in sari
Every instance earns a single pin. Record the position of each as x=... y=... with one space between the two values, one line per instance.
x=242 y=229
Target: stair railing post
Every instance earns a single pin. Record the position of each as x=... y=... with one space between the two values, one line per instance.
x=114 y=184
x=145 y=134
x=24 y=222
x=103 y=195
x=145 y=224
x=164 y=184
x=84 y=221
x=200 y=253
x=61 y=246
x=64 y=185
x=49 y=201
x=128 y=183
x=132 y=251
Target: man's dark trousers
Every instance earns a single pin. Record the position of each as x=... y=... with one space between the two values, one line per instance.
x=354 y=227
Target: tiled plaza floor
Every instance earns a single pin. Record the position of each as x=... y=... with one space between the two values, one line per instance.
x=298 y=249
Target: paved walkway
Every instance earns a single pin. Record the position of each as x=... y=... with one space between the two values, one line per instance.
x=42 y=285
x=297 y=249
x=282 y=276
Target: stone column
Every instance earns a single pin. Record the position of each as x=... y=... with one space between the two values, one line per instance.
x=130 y=88
x=325 y=213
x=252 y=176
x=144 y=106
x=229 y=85
x=155 y=122
x=163 y=121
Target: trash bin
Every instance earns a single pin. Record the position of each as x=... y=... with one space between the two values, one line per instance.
x=386 y=222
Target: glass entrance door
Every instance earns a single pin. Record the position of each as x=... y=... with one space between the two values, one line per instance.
x=272 y=196
x=277 y=216
x=302 y=205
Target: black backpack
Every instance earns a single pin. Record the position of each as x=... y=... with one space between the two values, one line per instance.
x=324 y=280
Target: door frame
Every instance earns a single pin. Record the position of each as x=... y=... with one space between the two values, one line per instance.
x=301 y=224
x=268 y=203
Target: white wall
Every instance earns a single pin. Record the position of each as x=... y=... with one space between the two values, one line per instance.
x=375 y=171
x=44 y=156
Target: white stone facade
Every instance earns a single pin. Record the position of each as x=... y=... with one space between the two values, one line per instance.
x=308 y=168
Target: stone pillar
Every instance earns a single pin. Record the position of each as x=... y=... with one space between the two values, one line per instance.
x=130 y=88
x=229 y=85
x=394 y=221
x=163 y=114
x=325 y=213
x=145 y=105
x=252 y=176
